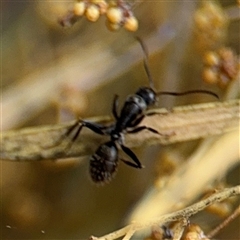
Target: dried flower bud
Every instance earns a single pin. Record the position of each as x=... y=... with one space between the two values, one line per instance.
x=103 y=6
x=210 y=75
x=92 y=13
x=211 y=24
x=221 y=67
x=114 y=15
x=79 y=8
x=131 y=24
x=211 y=58
x=113 y=26
x=112 y=3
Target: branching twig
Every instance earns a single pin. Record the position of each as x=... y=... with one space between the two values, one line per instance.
x=212 y=161
x=172 y=217
x=215 y=231
x=177 y=125
x=179 y=229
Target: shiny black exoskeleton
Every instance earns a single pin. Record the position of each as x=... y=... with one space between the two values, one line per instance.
x=104 y=162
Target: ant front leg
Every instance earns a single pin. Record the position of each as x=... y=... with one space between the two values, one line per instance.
x=68 y=132
x=132 y=155
x=97 y=128
x=137 y=121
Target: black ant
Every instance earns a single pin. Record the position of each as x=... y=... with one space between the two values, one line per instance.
x=104 y=162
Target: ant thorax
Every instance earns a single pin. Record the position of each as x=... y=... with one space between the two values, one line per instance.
x=138 y=100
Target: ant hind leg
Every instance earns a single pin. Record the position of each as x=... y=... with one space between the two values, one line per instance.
x=132 y=155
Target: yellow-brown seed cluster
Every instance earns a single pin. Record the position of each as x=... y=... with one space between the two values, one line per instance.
x=92 y=9
x=118 y=14
x=191 y=232
x=211 y=24
x=221 y=67
x=194 y=232
x=160 y=233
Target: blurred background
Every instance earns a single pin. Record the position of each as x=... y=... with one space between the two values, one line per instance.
x=52 y=74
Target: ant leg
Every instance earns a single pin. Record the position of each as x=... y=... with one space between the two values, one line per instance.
x=66 y=134
x=76 y=134
x=114 y=106
x=130 y=163
x=132 y=155
x=71 y=128
x=141 y=128
x=97 y=128
x=137 y=121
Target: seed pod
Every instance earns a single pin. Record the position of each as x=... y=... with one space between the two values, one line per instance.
x=114 y=14
x=79 y=8
x=211 y=58
x=131 y=24
x=112 y=26
x=92 y=13
x=103 y=6
x=210 y=75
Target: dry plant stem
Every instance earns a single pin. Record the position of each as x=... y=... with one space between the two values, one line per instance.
x=172 y=217
x=213 y=159
x=215 y=231
x=179 y=124
x=179 y=229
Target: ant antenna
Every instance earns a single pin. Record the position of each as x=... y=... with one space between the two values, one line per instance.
x=188 y=92
x=145 y=62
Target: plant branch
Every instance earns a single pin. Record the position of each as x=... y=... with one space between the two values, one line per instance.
x=179 y=124
x=172 y=217
x=230 y=218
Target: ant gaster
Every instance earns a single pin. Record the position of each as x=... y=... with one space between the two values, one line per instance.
x=104 y=162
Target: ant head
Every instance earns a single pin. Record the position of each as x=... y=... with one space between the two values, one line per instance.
x=148 y=94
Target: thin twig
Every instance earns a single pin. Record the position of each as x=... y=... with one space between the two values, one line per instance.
x=211 y=161
x=179 y=229
x=215 y=231
x=172 y=217
x=180 y=124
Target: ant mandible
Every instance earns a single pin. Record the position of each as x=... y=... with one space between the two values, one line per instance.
x=104 y=162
